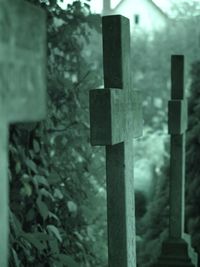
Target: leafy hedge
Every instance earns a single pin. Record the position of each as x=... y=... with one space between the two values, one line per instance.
x=57 y=195
x=193 y=159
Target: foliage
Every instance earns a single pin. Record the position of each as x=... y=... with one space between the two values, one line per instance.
x=151 y=65
x=193 y=160
x=152 y=226
x=185 y=9
x=57 y=195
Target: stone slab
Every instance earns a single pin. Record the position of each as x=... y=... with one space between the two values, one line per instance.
x=177 y=253
x=22 y=60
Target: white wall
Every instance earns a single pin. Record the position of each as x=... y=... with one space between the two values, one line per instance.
x=150 y=19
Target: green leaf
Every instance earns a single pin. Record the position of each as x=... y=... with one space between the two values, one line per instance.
x=40 y=180
x=30 y=215
x=43 y=209
x=54 y=246
x=18 y=167
x=26 y=190
x=68 y=260
x=52 y=215
x=31 y=165
x=34 y=240
x=58 y=194
x=42 y=236
x=57 y=264
x=15 y=224
x=72 y=207
x=47 y=194
x=15 y=257
x=53 y=178
x=36 y=146
x=54 y=230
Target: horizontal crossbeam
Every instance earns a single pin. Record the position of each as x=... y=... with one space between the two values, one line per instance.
x=115 y=115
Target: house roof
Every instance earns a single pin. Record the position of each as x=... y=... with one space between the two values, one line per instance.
x=152 y=3
x=159 y=9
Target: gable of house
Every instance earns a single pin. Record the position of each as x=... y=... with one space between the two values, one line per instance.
x=143 y=14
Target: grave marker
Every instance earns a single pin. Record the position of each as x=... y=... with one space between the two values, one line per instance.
x=177 y=250
x=22 y=85
x=177 y=121
x=115 y=117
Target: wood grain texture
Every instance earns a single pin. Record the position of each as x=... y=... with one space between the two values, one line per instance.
x=177 y=77
x=119 y=158
x=116 y=118
x=177 y=127
x=177 y=186
x=121 y=205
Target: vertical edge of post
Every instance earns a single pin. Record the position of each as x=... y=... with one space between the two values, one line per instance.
x=116 y=51
x=4 y=198
x=177 y=186
x=177 y=76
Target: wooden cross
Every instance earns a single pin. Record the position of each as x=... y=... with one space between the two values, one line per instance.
x=177 y=249
x=22 y=86
x=115 y=117
x=177 y=127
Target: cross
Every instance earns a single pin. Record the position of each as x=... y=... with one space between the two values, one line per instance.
x=177 y=126
x=177 y=249
x=115 y=118
x=22 y=86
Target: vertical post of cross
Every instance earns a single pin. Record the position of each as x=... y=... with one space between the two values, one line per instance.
x=115 y=119
x=177 y=128
x=119 y=168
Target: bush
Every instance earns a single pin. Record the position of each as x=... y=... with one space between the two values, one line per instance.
x=57 y=195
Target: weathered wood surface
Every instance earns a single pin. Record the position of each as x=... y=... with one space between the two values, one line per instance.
x=109 y=121
x=177 y=128
x=22 y=85
x=115 y=117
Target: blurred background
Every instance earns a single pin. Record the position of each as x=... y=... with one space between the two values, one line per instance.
x=57 y=180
